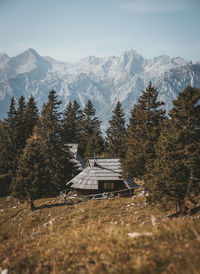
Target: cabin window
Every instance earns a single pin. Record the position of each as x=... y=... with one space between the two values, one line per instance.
x=109 y=185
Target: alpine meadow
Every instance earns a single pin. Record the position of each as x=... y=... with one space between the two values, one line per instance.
x=99 y=137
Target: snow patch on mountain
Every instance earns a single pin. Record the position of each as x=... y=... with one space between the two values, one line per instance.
x=3 y=57
x=104 y=80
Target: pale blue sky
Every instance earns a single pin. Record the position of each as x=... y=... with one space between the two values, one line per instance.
x=69 y=30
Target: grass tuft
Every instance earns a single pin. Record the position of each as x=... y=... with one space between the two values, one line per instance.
x=94 y=237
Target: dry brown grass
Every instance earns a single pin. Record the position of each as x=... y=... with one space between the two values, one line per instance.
x=92 y=237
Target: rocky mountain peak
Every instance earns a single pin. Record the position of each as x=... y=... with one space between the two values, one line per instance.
x=92 y=60
x=3 y=57
x=103 y=80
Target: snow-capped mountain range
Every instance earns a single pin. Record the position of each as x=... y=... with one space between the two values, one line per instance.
x=104 y=80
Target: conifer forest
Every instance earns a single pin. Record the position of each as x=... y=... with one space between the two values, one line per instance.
x=161 y=150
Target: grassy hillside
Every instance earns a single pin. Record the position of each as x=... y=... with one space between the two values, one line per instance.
x=93 y=237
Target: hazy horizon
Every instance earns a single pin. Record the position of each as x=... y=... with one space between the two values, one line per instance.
x=72 y=30
x=84 y=57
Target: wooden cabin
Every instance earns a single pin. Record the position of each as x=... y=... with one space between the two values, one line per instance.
x=100 y=175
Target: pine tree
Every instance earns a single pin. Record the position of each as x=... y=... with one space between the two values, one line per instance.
x=57 y=155
x=8 y=141
x=78 y=118
x=17 y=127
x=176 y=174
x=89 y=125
x=11 y=116
x=115 y=134
x=45 y=165
x=30 y=116
x=143 y=133
x=95 y=146
x=71 y=123
x=6 y=159
x=32 y=178
x=48 y=126
x=20 y=127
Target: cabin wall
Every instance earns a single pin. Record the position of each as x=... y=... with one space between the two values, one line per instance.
x=81 y=192
x=103 y=186
x=109 y=186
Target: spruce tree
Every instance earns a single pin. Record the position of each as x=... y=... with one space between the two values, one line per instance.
x=176 y=174
x=89 y=125
x=11 y=116
x=17 y=127
x=115 y=134
x=143 y=133
x=8 y=141
x=20 y=127
x=71 y=123
x=78 y=118
x=6 y=151
x=57 y=155
x=32 y=178
x=95 y=146
x=48 y=126
x=45 y=165
x=30 y=116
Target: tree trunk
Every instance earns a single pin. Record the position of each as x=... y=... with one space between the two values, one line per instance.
x=32 y=205
x=184 y=208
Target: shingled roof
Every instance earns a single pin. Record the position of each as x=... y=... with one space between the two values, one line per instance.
x=100 y=169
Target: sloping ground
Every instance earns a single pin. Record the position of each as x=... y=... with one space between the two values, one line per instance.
x=97 y=237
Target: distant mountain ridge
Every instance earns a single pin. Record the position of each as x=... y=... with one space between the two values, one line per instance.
x=103 y=80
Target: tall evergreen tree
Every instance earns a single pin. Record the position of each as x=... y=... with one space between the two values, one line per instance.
x=89 y=125
x=45 y=165
x=32 y=177
x=143 y=133
x=176 y=174
x=115 y=134
x=17 y=127
x=49 y=126
x=57 y=155
x=71 y=123
x=20 y=127
x=8 y=141
x=95 y=146
x=78 y=118
x=30 y=116
x=11 y=116
x=68 y=125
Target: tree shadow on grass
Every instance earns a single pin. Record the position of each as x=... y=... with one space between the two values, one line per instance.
x=194 y=210
x=55 y=205
x=190 y=212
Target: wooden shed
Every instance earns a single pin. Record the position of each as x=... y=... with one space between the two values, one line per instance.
x=101 y=175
